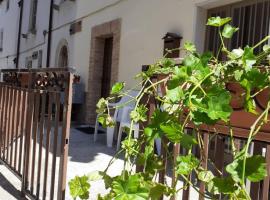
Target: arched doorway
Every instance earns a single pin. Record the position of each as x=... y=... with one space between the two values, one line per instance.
x=63 y=57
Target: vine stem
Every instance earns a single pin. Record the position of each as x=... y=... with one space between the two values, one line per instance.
x=252 y=134
x=261 y=42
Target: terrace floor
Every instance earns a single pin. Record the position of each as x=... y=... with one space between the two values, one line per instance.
x=85 y=156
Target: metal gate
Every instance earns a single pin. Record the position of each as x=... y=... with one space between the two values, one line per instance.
x=35 y=109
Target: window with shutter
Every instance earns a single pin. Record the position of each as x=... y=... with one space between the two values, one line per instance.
x=33 y=16
x=1 y=39
x=252 y=18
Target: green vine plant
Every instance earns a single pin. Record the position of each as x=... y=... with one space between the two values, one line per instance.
x=195 y=92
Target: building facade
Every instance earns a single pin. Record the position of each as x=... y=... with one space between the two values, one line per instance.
x=109 y=40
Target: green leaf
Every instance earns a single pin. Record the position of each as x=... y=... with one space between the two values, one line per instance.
x=249 y=59
x=205 y=58
x=139 y=114
x=202 y=118
x=94 y=176
x=255 y=169
x=190 y=47
x=205 y=176
x=228 y=31
x=192 y=61
x=238 y=74
x=167 y=63
x=187 y=141
x=266 y=47
x=236 y=53
x=106 y=120
x=79 y=187
x=172 y=131
x=180 y=75
x=185 y=164
x=157 y=191
x=130 y=189
x=102 y=106
x=219 y=104
x=222 y=186
x=218 y=21
x=117 y=87
x=175 y=95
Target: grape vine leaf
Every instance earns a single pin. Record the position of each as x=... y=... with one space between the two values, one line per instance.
x=218 y=21
x=117 y=87
x=255 y=169
x=131 y=188
x=79 y=187
x=185 y=164
x=228 y=31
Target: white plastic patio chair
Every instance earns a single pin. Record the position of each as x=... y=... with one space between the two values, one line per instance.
x=126 y=122
x=117 y=116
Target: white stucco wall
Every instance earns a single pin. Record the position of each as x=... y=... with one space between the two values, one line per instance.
x=144 y=23
x=9 y=23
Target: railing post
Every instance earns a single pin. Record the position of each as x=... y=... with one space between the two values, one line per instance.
x=65 y=138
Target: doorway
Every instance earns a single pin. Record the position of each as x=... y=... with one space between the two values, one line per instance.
x=63 y=57
x=107 y=67
x=103 y=64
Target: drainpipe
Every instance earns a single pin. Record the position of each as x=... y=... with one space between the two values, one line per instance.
x=21 y=2
x=50 y=35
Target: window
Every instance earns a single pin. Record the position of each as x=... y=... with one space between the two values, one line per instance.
x=1 y=39
x=33 y=16
x=252 y=17
x=28 y=62
x=40 y=59
x=7 y=5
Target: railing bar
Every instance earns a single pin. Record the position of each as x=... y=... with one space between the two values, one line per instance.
x=47 y=145
x=27 y=141
x=22 y=127
x=34 y=135
x=250 y=23
x=14 y=99
x=11 y=122
x=1 y=119
x=255 y=19
x=176 y=153
x=55 y=142
x=265 y=189
x=18 y=104
x=262 y=20
x=41 y=132
x=238 y=25
x=8 y=122
x=5 y=104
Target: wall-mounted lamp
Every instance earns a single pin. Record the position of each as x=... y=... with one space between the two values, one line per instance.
x=24 y=35
x=56 y=7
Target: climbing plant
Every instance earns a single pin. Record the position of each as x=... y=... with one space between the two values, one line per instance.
x=195 y=92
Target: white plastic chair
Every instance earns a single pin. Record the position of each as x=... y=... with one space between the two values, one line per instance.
x=116 y=117
x=126 y=122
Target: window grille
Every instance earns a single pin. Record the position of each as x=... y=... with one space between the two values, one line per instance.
x=251 y=16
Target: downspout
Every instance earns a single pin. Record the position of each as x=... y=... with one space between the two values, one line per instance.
x=21 y=2
x=50 y=35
